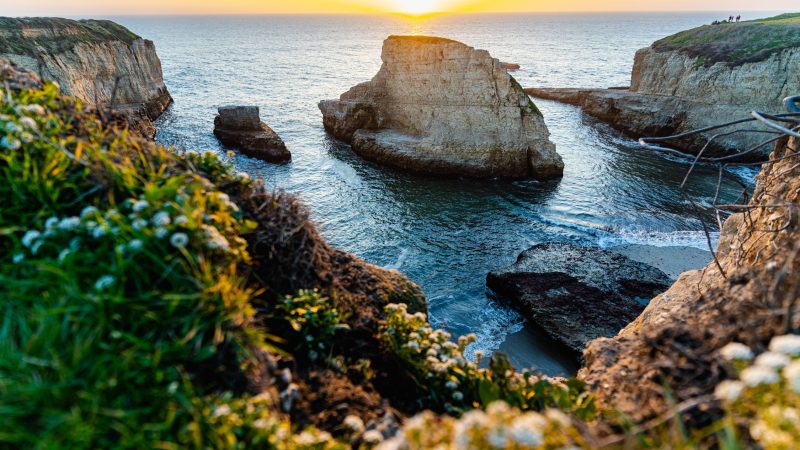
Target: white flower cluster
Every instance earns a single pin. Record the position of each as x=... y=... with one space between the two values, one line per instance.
x=21 y=131
x=499 y=427
x=766 y=369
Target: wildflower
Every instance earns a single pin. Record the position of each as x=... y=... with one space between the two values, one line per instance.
x=139 y=224
x=451 y=384
x=10 y=143
x=354 y=424
x=18 y=258
x=372 y=437
x=135 y=245
x=69 y=223
x=555 y=415
x=420 y=316
x=788 y=344
x=414 y=336
x=161 y=219
x=35 y=247
x=458 y=396
x=756 y=375
x=161 y=233
x=729 y=390
x=792 y=375
x=12 y=127
x=179 y=240
x=261 y=424
x=773 y=360
x=181 y=220
x=98 y=232
x=32 y=108
x=30 y=237
x=89 y=210
x=736 y=351
x=26 y=137
x=497 y=437
x=243 y=176
x=478 y=355
x=527 y=429
x=214 y=240
x=28 y=123
x=75 y=244
x=413 y=345
x=140 y=205
x=62 y=255
x=104 y=282
x=222 y=410
x=51 y=223
x=313 y=355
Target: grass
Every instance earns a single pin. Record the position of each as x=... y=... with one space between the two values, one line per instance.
x=55 y=35
x=736 y=43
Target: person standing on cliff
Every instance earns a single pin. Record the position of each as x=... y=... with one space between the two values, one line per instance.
x=738 y=18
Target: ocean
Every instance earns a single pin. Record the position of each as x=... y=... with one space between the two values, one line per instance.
x=443 y=233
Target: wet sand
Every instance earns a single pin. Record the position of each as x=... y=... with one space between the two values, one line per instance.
x=672 y=260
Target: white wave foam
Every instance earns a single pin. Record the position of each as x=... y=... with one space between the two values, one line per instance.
x=404 y=252
x=496 y=323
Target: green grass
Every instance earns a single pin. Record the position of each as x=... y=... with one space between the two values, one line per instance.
x=736 y=43
x=55 y=35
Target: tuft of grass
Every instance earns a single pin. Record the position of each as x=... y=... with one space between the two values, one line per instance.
x=736 y=43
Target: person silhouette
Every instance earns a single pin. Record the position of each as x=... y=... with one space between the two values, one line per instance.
x=738 y=18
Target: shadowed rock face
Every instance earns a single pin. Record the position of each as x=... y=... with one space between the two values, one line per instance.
x=97 y=61
x=240 y=127
x=439 y=106
x=576 y=294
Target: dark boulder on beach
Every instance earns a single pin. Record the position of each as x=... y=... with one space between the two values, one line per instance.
x=241 y=128
x=575 y=294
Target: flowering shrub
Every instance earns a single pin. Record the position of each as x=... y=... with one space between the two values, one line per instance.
x=448 y=381
x=314 y=319
x=499 y=427
x=766 y=395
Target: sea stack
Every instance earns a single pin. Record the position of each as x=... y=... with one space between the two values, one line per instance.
x=441 y=107
x=241 y=127
x=98 y=61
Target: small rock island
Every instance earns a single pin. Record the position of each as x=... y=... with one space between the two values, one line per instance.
x=441 y=107
x=241 y=127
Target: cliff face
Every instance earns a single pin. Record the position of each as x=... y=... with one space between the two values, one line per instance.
x=440 y=106
x=674 y=342
x=99 y=62
x=698 y=78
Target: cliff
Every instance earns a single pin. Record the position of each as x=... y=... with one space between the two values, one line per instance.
x=701 y=77
x=98 y=61
x=439 y=106
x=674 y=343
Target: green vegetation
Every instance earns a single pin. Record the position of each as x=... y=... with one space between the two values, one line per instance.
x=736 y=43
x=34 y=36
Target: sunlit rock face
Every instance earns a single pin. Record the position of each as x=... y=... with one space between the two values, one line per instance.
x=98 y=61
x=439 y=106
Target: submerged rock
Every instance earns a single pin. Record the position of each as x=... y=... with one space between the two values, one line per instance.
x=576 y=294
x=698 y=78
x=98 y=61
x=241 y=127
x=439 y=106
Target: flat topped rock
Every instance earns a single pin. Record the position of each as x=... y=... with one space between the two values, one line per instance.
x=439 y=106
x=241 y=128
x=576 y=294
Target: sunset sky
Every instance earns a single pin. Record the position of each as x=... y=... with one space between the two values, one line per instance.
x=82 y=7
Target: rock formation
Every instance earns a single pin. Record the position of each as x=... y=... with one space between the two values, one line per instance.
x=576 y=294
x=241 y=127
x=675 y=341
x=701 y=77
x=97 y=61
x=439 y=106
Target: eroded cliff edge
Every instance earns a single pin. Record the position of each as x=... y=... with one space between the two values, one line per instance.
x=439 y=106
x=97 y=61
x=701 y=77
x=675 y=341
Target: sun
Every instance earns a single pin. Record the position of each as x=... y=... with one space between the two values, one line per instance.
x=417 y=7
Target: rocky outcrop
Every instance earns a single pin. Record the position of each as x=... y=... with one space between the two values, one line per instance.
x=97 y=61
x=439 y=106
x=674 y=343
x=576 y=294
x=241 y=127
x=698 y=78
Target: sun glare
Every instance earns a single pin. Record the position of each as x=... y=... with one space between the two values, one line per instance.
x=417 y=7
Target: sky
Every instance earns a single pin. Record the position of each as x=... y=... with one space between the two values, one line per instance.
x=118 y=7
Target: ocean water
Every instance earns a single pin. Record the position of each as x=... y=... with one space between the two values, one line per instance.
x=444 y=233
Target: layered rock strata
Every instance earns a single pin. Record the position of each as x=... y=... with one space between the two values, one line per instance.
x=575 y=294
x=98 y=61
x=241 y=127
x=439 y=106
x=699 y=78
